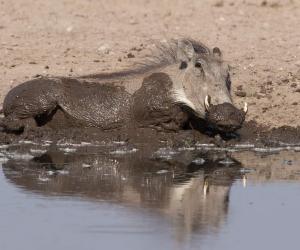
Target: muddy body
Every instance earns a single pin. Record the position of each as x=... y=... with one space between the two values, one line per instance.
x=87 y=105
x=76 y=103
x=164 y=95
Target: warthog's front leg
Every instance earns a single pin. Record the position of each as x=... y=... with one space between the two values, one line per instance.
x=153 y=106
x=15 y=125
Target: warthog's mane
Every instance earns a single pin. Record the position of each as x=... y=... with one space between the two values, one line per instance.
x=164 y=54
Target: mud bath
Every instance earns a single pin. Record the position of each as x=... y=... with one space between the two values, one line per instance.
x=250 y=133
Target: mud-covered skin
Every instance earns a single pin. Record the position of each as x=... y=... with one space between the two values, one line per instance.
x=83 y=104
x=157 y=110
x=225 y=117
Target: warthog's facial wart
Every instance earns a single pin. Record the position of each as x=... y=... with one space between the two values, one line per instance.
x=203 y=73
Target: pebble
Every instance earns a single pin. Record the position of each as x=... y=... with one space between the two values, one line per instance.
x=104 y=49
x=240 y=93
x=264 y=3
x=130 y=55
x=294 y=85
x=240 y=87
x=219 y=3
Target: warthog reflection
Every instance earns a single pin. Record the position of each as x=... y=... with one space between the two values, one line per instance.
x=191 y=194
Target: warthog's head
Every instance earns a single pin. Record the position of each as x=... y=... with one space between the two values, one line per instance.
x=203 y=85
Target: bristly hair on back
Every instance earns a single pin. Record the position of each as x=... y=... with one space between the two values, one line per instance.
x=164 y=54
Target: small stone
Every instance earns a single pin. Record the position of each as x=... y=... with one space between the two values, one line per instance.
x=240 y=93
x=294 y=85
x=219 y=3
x=46 y=67
x=32 y=62
x=295 y=103
x=269 y=83
x=13 y=65
x=136 y=49
x=130 y=55
x=297 y=90
x=119 y=59
x=240 y=87
x=104 y=49
x=96 y=61
x=264 y=3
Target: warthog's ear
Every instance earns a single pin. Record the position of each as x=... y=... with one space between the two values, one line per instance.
x=185 y=51
x=217 y=52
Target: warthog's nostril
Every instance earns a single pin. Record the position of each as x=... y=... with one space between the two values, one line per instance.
x=225 y=117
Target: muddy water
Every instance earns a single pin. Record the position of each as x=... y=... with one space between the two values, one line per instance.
x=120 y=196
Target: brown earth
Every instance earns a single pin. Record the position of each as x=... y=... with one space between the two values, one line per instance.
x=259 y=38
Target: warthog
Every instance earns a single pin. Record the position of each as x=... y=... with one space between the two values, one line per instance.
x=187 y=80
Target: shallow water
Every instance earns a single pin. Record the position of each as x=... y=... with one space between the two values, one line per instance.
x=119 y=196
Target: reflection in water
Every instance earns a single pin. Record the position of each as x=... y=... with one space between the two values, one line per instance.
x=187 y=187
x=190 y=189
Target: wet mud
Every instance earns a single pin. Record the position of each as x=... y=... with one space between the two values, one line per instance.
x=251 y=133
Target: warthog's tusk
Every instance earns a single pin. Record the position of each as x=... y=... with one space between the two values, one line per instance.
x=205 y=188
x=245 y=108
x=207 y=102
x=244 y=181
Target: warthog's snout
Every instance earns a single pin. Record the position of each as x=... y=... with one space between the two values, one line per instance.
x=225 y=117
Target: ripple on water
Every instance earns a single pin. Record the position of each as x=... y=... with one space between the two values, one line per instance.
x=165 y=153
x=198 y=161
x=38 y=151
x=124 y=151
x=68 y=150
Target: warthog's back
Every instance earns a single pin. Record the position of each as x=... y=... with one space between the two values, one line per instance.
x=85 y=104
x=94 y=104
x=31 y=97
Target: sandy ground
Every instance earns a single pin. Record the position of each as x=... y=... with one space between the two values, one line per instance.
x=260 y=39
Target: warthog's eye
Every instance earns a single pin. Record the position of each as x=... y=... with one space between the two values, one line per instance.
x=198 y=65
x=183 y=65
